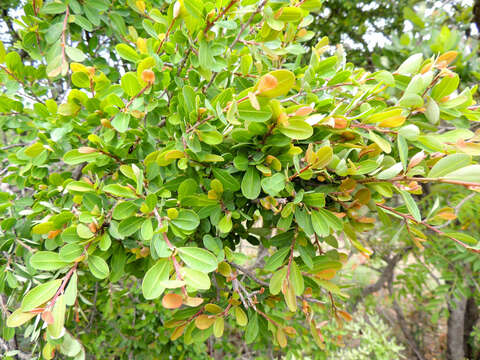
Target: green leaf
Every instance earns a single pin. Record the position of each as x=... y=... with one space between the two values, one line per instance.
x=84 y=231
x=445 y=87
x=296 y=129
x=289 y=14
x=391 y=172
x=285 y=82
x=210 y=137
x=34 y=149
x=402 y=151
x=55 y=330
x=252 y=330
x=124 y=210
x=130 y=84
x=465 y=238
x=98 y=267
x=159 y=272
x=272 y=185
x=194 y=8
x=42 y=228
x=333 y=221
x=432 y=111
x=120 y=191
x=127 y=53
x=186 y=220
x=196 y=279
x=411 y=205
x=251 y=183
x=276 y=260
x=225 y=224
x=449 y=164
x=130 y=225
x=230 y=183
x=47 y=260
x=314 y=199
x=247 y=112
x=276 y=281
x=71 y=290
x=53 y=8
x=411 y=65
x=18 y=318
x=73 y=157
x=381 y=142
x=40 y=294
x=121 y=121
x=469 y=173
x=79 y=186
x=198 y=259
x=147 y=229
x=75 y=54
x=320 y=224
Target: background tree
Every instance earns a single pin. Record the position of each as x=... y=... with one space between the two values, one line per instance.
x=156 y=158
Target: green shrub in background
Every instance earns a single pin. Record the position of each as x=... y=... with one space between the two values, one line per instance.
x=369 y=338
x=147 y=143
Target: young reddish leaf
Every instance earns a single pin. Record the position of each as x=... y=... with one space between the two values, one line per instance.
x=172 y=301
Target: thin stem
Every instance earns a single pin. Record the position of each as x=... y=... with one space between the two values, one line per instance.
x=219 y=16
x=290 y=259
x=249 y=21
x=428 y=226
x=300 y=172
x=425 y=180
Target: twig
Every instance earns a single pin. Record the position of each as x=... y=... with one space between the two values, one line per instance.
x=249 y=21
x=428 y=226
x=219 y=16
x=424 y=180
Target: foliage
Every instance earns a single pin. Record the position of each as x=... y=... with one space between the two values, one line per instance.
x=374 y=340
x=155 y=141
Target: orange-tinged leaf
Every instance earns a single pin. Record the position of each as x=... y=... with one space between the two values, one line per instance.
x=394 y=121
x=92 y=227
x=177 y=332
x=447 y=58
x=266 y=83
x=203 y=322
x=172 y=301
x=345 y=315
x=47 y=316
x=289 y=330
x=86 y=150
x=416 y=159
x=326 y=274
x=193 y=301
x=52 y=234
x=418 y=242
x=304 y=111
x=281 y=338
x=446 y=215
x=148 y=76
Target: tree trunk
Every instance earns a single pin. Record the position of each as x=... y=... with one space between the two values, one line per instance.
x=455 y=331
x=471 y=317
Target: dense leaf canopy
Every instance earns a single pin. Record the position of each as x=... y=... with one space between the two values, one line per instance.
x=194 y=169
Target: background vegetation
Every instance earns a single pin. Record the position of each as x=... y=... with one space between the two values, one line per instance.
x=81 y=116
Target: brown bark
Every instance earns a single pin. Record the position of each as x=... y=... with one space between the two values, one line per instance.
x=471 y=318
x=455 y=328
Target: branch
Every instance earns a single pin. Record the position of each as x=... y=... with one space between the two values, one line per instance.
x=219 y=16
x=428 y=226
x=249 y=21
x=424 y=180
